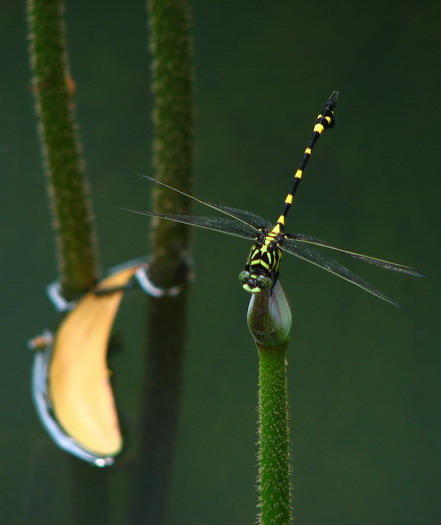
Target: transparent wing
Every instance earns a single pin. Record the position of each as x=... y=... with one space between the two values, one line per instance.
x=251 y=219
x=386 y=265
x=219 y=224
x=313 y=256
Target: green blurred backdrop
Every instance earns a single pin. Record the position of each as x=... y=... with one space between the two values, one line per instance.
x=364 y=376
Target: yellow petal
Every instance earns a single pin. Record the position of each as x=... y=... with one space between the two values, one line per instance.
x=79 y=383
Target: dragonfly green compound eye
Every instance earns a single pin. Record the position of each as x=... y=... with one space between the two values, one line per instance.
x=253 y=283
x=244 y=277
x=263 y=281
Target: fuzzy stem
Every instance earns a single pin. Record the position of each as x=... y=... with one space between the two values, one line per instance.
x=274 y=465
x=171 y=49
x=68 y=192
x=269 y=320
x=172 y=70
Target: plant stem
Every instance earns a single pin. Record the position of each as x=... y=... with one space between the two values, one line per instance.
x=274 y=466
x=172 y=68
x=269 y=320
x=171 y=49
x=160 y=412
x=68 y=191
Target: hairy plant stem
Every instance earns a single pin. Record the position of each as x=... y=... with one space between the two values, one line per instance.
x=69 y=201
x=274 y=456
x=68 y=189
x=172 y=69
x=269 y=321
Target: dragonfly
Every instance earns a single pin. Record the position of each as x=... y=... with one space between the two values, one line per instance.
x=271 y=241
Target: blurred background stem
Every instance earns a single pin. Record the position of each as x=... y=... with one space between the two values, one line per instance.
x=172 y=71
x=53 y=89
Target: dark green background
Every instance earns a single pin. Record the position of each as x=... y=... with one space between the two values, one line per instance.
x=363 y=376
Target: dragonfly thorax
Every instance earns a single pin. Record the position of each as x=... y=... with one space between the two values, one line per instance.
x=261 y=269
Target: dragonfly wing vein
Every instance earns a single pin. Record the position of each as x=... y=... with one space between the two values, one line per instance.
x=251 y=219
x=246 y=217
x=326 y=263
x=219 y=224
x=381 y=263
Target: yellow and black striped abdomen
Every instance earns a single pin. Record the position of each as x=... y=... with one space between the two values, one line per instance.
x=261 y=270
x=324 y=120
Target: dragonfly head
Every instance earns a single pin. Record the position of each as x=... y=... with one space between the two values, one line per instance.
x=254 y=282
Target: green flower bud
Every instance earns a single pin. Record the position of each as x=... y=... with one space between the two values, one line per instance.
x=269 y=316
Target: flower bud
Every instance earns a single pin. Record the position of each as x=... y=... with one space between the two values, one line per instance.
x=269 y=316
